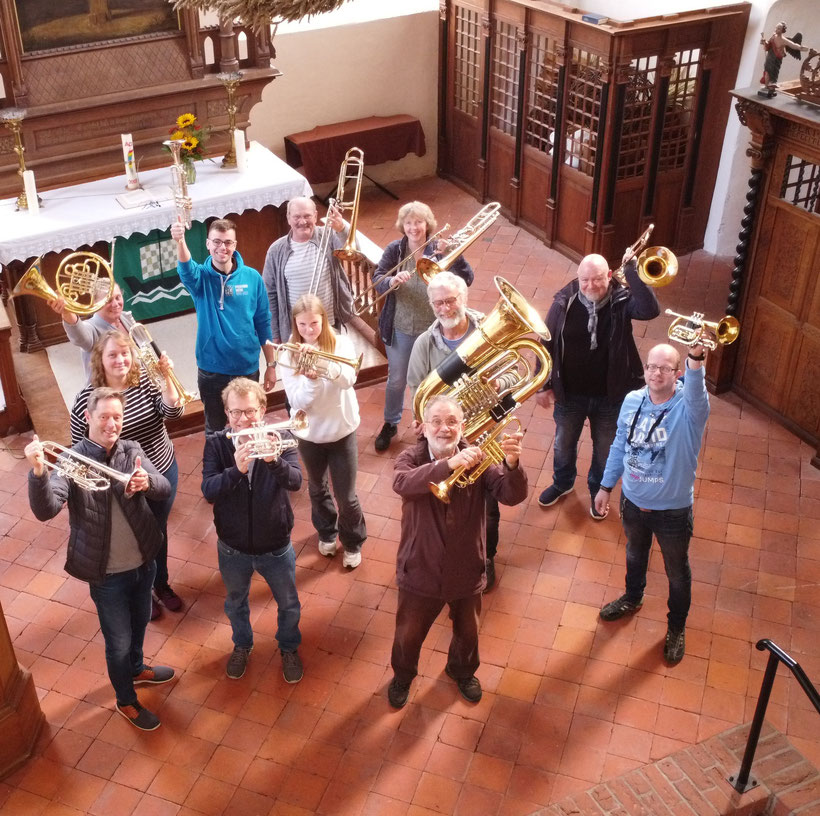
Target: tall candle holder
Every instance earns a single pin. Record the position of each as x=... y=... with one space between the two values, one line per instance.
x=231 y=82
x=13 y=119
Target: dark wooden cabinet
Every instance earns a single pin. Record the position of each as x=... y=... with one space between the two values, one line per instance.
x=587 y=133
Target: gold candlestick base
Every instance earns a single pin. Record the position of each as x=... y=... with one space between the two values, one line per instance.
x=12 y=118
x=231 y=82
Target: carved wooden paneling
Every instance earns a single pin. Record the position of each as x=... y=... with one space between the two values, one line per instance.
x=802 y=404
x=790 y=240
x=535 y=185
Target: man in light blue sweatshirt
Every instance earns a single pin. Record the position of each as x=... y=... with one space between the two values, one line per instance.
x=656 y=447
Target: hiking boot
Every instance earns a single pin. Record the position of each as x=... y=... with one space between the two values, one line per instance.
x=139 y=716
x=397 y=693
x=238 y=662
x=168 y=598
x=620 y=607
x=387 y=432
x=675 y=646
x=489 y=566
x=292 y=669
x=551 y=495
x=327 y=548
x=154 y=676
x=469 y=687
x=351 y=559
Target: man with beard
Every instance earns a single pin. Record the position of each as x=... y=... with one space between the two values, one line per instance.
x=441 y=550
x=595 y=364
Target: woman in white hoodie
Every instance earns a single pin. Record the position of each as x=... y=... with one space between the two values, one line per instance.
x=329 y=443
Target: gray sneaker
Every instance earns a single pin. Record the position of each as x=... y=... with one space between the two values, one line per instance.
x=292 y=669
x=238 y=662
x=675 y=646
x=620 y=607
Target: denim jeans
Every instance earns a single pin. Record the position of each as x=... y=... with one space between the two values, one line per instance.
x=673 y=530
x=123 y=602
x=569 y=422
x=161 y=510
x=398 y=358
x=210 y=386
x=340 y=459
x=279 y=570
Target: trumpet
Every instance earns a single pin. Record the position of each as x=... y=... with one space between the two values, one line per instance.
x=179 y=178
x=84 y=472
x=266 y=440
x=360 y=303
x=308 y=360
x=657 y=265
x=688 y=330
x=493 y=455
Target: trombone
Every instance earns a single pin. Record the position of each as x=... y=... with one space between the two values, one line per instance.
x=657 y=265
x=304 y=359
x=361 y=298
x=84 y=472
x=266 y=440
x=689 y=330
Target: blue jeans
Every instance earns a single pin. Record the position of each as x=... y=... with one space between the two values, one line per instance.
x=210 y=385
x=123 y=602
x=673 y=530
x=569 y=422
x=398 y=358
x=161 y=510
x=278 y=568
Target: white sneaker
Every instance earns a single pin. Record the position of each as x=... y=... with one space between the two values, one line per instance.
x=327 y=548
x=351 y=559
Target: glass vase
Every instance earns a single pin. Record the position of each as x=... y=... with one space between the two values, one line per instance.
x=190 y=171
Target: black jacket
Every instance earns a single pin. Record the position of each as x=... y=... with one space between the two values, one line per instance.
x=89 y=512
x=251 y=515
x=625 y=372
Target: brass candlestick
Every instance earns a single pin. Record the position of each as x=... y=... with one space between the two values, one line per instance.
x=231 y=82
x=13 y=120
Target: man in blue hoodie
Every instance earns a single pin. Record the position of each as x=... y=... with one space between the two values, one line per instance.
x=233 y=317
x=656 y=447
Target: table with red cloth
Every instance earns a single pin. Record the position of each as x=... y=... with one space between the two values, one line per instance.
x=382 y=138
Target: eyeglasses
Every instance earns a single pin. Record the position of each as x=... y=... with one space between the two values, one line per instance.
x=652 y=368
x=452 y=422
x=250 y=413
x=448 y=302
x=218 y=242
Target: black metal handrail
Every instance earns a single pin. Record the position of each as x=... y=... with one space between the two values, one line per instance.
x=740 y=781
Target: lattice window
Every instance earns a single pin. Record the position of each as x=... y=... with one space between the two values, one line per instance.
x=466 y=61
x=679 y=114
x=542 y=90
x=583 y=111
x=635 y=133
x=801 y=184
x=504 y=105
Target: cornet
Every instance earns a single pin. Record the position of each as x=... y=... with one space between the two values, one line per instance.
x=84 y=472
x=308 y=360
x=688 y=330
x=266 y=440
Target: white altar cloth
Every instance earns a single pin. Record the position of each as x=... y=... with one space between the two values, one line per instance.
x=70 y=217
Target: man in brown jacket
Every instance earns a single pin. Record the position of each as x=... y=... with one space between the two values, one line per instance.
x=441 y=555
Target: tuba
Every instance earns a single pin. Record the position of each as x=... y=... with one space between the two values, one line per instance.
x=657 y=265
x=492 y=350
x=84 y=280
x=84 y=472
x=308 y=360
x=266 y=440
x=179 y=179
x=688 y=330
x=459 y=241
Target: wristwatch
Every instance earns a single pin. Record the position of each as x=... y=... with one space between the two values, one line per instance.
x=270 y=365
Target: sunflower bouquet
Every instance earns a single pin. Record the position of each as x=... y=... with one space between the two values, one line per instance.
x=192 y=135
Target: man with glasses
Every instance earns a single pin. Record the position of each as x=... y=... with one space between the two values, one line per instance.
x=595 y=363
x=290 y=262
x=253 y=520
x=440 y=558
x=660 y=430
x=233 y=319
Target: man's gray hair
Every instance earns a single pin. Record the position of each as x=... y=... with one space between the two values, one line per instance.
x=441 y=398
x=448 y=280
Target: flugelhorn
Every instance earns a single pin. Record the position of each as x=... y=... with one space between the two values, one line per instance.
x=304 y=359
x=688 y=330
x=657 y=265
x=266 y=440
x=182 y=201
x=459 y=241
x=493 y=455
x=80 y=281
x=84 y=472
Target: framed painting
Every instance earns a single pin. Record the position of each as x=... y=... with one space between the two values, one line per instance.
x=45 y=24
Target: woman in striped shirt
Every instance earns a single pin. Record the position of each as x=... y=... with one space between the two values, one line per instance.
x=114 y=363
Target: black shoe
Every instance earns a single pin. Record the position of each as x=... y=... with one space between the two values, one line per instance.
x=238 y=662
x=387 y=432
x=551 y=495
x=169 y=599
x=620 y=607
x=675 y=646
x=292 y=669
x=489 y=565
x=397 y=693
x=470 y=688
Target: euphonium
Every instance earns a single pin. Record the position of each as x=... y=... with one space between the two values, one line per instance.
x=688 y=330
x=266 y=440
x=657 y=265
x=493 y=455
x=304 y=359
x=491 y=350
x=459 y=241
x=84 y=472
x=80 y=281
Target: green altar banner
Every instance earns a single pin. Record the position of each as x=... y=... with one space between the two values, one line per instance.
x=146 y=270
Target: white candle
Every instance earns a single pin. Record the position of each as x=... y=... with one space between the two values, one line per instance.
x=133 y=182
x=239 y=149
x=31 y=192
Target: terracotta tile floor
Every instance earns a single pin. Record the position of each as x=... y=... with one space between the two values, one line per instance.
x=568 y=701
